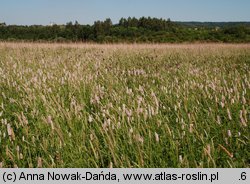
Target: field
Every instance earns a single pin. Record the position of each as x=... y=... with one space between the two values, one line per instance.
x=87 y=105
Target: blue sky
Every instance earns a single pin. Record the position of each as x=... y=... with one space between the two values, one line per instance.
x=28 y=12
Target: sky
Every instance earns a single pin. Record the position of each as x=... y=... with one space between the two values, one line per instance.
x=28 y=12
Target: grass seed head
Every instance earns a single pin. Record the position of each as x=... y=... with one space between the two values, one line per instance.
x=157 y=137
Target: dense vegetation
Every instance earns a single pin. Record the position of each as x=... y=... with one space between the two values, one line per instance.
x=130 y=30
x=78 y=105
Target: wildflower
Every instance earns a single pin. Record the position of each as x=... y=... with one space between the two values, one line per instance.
x=229 y=133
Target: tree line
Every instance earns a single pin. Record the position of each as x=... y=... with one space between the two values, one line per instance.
x=129 y=30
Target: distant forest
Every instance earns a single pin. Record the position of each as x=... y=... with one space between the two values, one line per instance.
x=131 y=30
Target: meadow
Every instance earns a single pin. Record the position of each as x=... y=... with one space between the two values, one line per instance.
x=88 y=105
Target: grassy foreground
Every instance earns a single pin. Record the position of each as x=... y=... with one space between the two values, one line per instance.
x=124 y=105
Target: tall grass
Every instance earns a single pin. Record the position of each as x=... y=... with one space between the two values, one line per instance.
x=124 y=105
